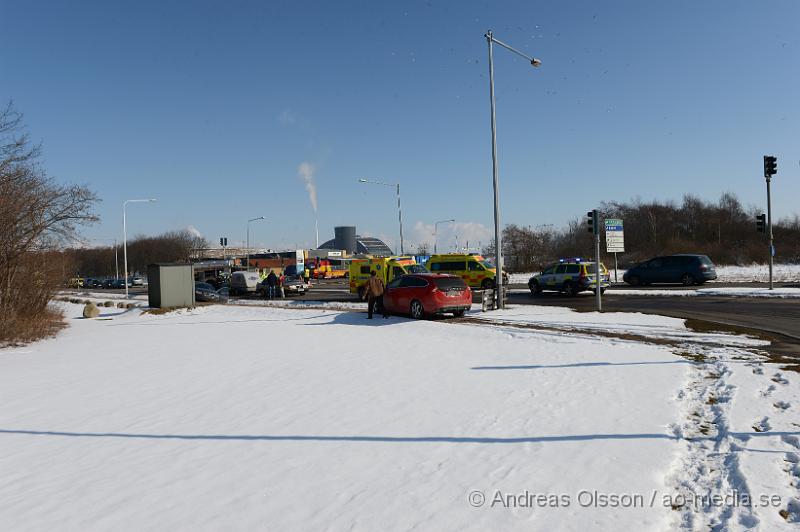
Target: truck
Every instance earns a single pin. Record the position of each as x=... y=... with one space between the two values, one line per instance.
x=385 y=268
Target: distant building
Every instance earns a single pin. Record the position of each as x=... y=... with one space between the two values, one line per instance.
x=364 y=245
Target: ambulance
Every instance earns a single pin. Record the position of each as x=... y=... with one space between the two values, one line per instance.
x=476 y=271
x=385 y=268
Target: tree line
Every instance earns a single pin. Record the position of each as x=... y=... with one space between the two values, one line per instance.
x=724 y=230
x=172 y=246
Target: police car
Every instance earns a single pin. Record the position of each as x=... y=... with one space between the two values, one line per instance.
x=570 y=277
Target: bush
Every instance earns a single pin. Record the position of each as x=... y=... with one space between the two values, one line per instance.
x=91 y=311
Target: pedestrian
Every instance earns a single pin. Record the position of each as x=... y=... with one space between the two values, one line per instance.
x=272 y=282
x=374 y=293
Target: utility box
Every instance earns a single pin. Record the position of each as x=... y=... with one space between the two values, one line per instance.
x=170 y=285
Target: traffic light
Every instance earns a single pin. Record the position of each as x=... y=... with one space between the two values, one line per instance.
x=592 y=224
x=223 y=241
x=770 y=166
x=761 y=223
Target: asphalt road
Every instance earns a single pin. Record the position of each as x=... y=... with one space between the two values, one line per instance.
x=775 y=315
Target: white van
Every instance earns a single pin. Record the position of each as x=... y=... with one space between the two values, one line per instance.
x=243 y=283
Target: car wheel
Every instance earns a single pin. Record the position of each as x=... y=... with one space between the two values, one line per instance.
x=634 y=280
x=535 y=288
x=487 y=284
x=568 y=289
x=459 y=313
x=687 y=279
x=417 y=311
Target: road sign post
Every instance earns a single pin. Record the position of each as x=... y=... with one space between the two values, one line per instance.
x=615 y=240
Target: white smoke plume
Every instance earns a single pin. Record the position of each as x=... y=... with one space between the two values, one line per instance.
x=194 y=231
x=305 y=172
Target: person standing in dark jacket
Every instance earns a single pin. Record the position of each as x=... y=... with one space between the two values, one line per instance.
x=272 y=283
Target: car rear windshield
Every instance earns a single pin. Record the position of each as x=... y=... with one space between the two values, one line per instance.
x=449 y=283
x=705 y=260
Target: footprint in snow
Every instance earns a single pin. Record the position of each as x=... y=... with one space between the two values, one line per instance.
x=762 y=426
x=779 y=379
x=794 y=441
x=768 y=391
x=758 y=370
x=781 y=405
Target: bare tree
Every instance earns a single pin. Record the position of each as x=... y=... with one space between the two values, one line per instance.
x=36 y=216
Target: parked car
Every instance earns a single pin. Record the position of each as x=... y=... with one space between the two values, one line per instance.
x=223 y=294
x=425 y=294
x=243 y=283
x=684 y=268
x=92 y=283
x=570 y=277
x=292 y=273
x=291 y=286
x=137 y=281
x=205 y=292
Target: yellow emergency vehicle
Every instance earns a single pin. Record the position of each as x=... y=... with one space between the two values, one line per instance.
x=385 y=268
x=476 y=271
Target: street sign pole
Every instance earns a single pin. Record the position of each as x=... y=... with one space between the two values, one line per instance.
x=615 y=241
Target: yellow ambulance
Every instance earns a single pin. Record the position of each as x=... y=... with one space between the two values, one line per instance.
x=385 y=268
x=476 y=271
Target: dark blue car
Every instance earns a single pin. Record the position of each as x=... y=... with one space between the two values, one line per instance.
x=684 y=269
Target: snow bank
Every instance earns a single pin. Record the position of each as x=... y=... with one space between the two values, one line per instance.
x=261 y=417
x=623 y=323
x=238 y=417
x=782 y=273
x=783 y=293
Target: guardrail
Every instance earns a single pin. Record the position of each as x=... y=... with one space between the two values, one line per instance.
x=488 y=299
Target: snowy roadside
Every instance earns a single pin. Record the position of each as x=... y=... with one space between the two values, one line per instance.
x=243 y=416
x=780 y=293
x=755 y=273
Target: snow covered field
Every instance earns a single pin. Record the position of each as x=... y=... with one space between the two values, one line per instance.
x=244 y=417
x=782 y=273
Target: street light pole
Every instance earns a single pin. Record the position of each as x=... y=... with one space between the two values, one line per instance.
x=125 y=235
x=399 y=210
x=248 y=239
x=498 y=244
x=436 y=232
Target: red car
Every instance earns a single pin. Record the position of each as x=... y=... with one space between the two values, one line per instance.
x=424 y=294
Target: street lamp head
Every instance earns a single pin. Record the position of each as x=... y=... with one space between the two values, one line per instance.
x=362 y=180
x=536 y=62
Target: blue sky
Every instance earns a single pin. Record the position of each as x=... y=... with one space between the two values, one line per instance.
x=211 y=107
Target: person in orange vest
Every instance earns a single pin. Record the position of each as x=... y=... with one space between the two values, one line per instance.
x=374 y=293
